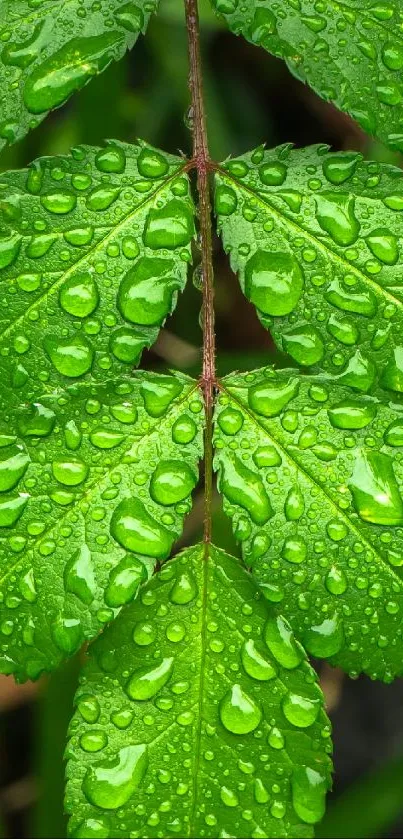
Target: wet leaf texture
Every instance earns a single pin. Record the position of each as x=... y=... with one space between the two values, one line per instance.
x=94 y=249
x=351 y=55
x=316 y=238
x=95 y=482
x=50 y=49
x=311 y=475
x=192 y=715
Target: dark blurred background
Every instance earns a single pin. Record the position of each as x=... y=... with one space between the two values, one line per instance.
x=250 y=98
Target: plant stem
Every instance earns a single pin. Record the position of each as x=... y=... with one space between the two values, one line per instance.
x=201 y=162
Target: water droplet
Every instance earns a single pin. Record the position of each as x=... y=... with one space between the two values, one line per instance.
x=67 y=70
x=67 y=634
x=242 y=486
x=136 y=530
x=273 y=173
x=23 y=54
x=152 y=164
x=335 y=214
x=93 y=829
x=394 y=433
x=126 y=345
x=9 y=249
x=383 y=244
x=239 y=713
x=273 y=282
x=255 y=664
x=111 y=783
x=281 y=643
x=124 y=581
x=146 y=292
x=336 y=581
x=102 y=438
x=170 y=226
x=351 y=414
x=172 y=481
x=111 y=159
x=158 y=392
x=304 y=344
x=145 y=682
x=324 y=639
x=343 y=329
x=276 y=739
x=79 y=295
x=361 y=302
x=269 y=398
x=338 y=168
x=93 y=741
x=229 y=797
x=59 y=203
x=225 y=200
x=36 y=421
x=184 y=589
x=300 y=711
x=88 y=707
x=184 y=430
x=392 y=376
x=375 y=490
x=79 y=576
x=72 y=357
x=230 y=421
x=308 y=788
x=260 y=792
x=294 y=504
x=266 y=456
x=70 y=472
x=11 y=509
x=392 y=55
x=14 y=462
x=102 y=198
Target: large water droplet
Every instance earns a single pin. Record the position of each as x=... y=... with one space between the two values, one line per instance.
x=172 y=481
x=170 y=226
x=72 y=357
x=111 y=783
x=361 y=301
x=14 y=462
x=79 y=295
x=67 y=634
x=152 y=164
x=184 y=589
x=136 y=530
x=9 y=249
x=308 y=788
x=300 y=711
x=375 y=490
x=294 y=504
x=269 y=398
x=158 y=392
x=383 y=244
x=304 y=344
x=273 y=282
x=339 y=168
x=336 y=581
x=68 y=70
x=70 y=472
x=60 y=203
x=239 y=713
x=336 y=216
x=146 y=292
x=124 y=581
x=394 y=433
x=351 y=414
x=242 y=486
x=111 y=159
x=281 y=643
x=11 y=509
x=255 y=664
x=79 y=576
x=392 y=376
x=324 y=639
x=145 y=682
x=36 y=421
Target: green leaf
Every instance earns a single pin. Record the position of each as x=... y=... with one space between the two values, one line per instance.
x=50 y=49
x=350 y=56
x=312 y=478
x=317 y=240
x=196 y=716
x=95 y=481
x=94 y=250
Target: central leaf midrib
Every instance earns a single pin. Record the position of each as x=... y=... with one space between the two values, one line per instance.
x=98 y=480
x=340 y=513
x=346 y=266
x=90 y=253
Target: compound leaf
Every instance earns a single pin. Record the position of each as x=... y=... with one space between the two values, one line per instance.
x=204 y=718
x=312 y=477
x=95 y=481
x=317 y=240
x=351 y=56
x=94 y=249
x=51 y=48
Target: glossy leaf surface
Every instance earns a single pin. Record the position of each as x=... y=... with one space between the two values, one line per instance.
x=50 y=49
x=316 y=238
x=198 y=713
x=94 y=249
x=312 y=477
x=351 y=55
x=95 y=481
